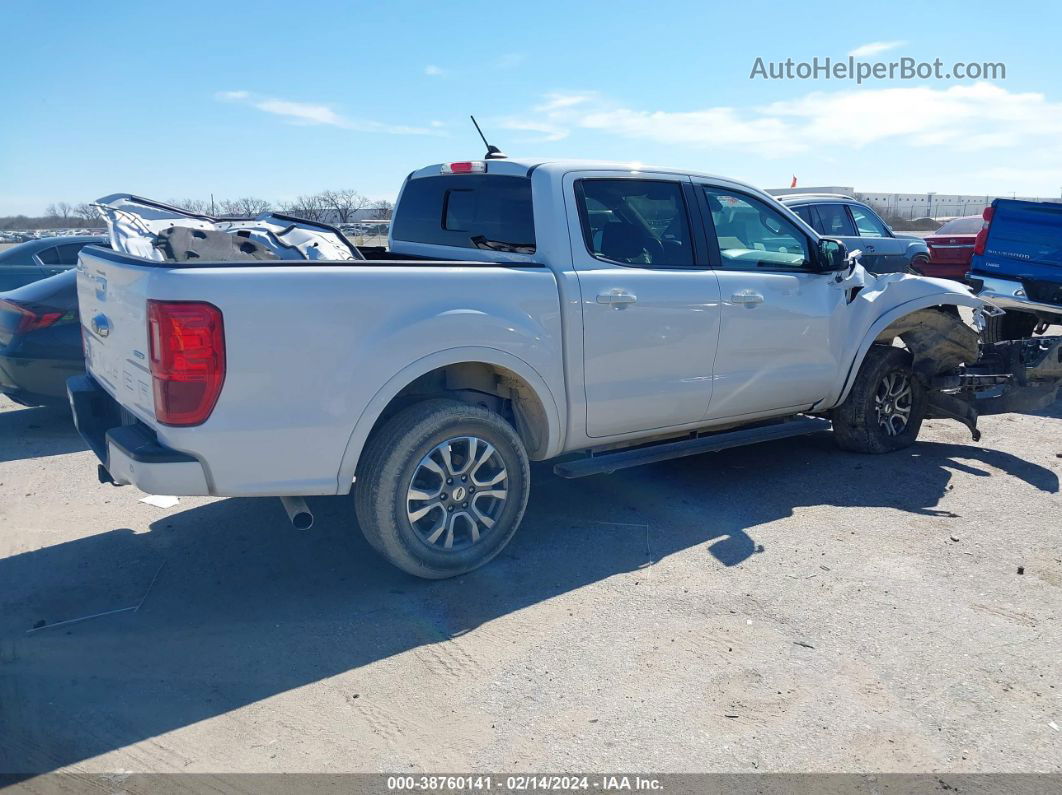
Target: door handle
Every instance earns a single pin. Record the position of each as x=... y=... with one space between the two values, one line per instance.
x=747 y=297
x=868 y=247
x=616 y=297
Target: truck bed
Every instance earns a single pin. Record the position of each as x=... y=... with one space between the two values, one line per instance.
x=309 y=345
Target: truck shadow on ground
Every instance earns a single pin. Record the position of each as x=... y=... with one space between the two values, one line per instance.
x=38 y=432
x=237 y=606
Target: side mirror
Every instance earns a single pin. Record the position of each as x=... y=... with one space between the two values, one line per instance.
x=832 y=255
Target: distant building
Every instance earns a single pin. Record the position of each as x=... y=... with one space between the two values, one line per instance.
x=916 y=205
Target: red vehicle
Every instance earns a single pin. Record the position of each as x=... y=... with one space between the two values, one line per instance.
x=951 y=247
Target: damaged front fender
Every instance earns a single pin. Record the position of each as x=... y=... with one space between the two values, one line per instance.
x=964 y=379
x=922 y=312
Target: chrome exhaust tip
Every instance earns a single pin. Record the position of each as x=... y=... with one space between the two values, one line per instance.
x=298 y=512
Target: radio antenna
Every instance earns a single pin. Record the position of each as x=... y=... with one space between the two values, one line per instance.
x=493 y=152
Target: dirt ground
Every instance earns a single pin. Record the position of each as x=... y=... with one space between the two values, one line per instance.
x=786 y=607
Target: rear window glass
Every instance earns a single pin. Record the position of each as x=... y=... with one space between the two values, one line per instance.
x=68 y=253
x=49 y=256
x=961 y=226
x=484 y=211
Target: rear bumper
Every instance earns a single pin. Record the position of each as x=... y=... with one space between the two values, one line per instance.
x=129 y=450
x=945 y=270
x=1010 y=294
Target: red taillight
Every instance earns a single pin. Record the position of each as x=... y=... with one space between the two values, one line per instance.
x=465 y=167
x=30 y=319
x=982 y=236
x=186 y=341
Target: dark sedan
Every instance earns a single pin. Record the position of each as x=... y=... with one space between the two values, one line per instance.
x=38 y=259
x=40 y=340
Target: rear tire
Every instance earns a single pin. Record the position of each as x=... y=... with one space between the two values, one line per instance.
x=441 y=488
x=1009 y=326
x=885 y=409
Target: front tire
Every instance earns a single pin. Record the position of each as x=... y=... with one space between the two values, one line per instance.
x=441 y=488
x=885 y=409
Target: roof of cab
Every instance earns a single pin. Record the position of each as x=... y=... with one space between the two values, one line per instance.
x=521 y=167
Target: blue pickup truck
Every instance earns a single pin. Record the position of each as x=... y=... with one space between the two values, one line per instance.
x=1017 y=265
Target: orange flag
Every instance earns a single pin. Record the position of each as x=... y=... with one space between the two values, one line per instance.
x=793 y=183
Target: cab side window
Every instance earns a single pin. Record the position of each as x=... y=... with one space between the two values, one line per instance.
x=752 y=235
x=635 y=221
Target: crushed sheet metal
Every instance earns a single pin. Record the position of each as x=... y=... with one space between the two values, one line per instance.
x=136 y=224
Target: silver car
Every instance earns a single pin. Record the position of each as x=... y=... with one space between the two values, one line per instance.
x=859 y=227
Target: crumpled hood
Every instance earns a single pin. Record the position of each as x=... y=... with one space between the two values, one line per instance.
x=139 y=226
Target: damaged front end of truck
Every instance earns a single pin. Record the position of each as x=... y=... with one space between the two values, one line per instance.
x=966 y=379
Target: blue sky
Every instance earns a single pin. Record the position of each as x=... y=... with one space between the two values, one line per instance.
x=275 y=99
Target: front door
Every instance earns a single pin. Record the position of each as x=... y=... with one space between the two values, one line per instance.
x=650 y=303
x=889 y=252
x=779 y=319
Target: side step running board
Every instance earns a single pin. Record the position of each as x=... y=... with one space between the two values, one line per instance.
x=596 y=464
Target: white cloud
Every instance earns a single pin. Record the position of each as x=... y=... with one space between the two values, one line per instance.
x=972 y=117
x=307 y=113
x=431 y=70
x=875 y=48
x=301 y=112
x=546 y=132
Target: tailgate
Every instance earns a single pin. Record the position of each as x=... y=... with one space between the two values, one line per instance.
x=1029 y=233
x=112 y=297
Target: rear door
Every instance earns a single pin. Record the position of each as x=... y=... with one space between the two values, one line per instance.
x=885 y=252
x=779 y=319
x=62 y=258
x=650 y=301
x=19 y=268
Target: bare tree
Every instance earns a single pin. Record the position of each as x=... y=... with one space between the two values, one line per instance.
x=86 y=212
x=191 y=205
x=311 y=207
x=63 y=210
x=383 y=210
x=247 y=206
x=344 y=203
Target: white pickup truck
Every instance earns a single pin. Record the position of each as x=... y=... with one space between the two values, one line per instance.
x=604 y=314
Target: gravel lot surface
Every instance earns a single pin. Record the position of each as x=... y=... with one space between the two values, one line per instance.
x=786 y=607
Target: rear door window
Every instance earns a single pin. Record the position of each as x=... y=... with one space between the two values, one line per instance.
x=484 y=211
x=635 y=221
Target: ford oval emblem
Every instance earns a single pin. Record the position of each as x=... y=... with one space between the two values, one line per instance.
x=101 y=325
